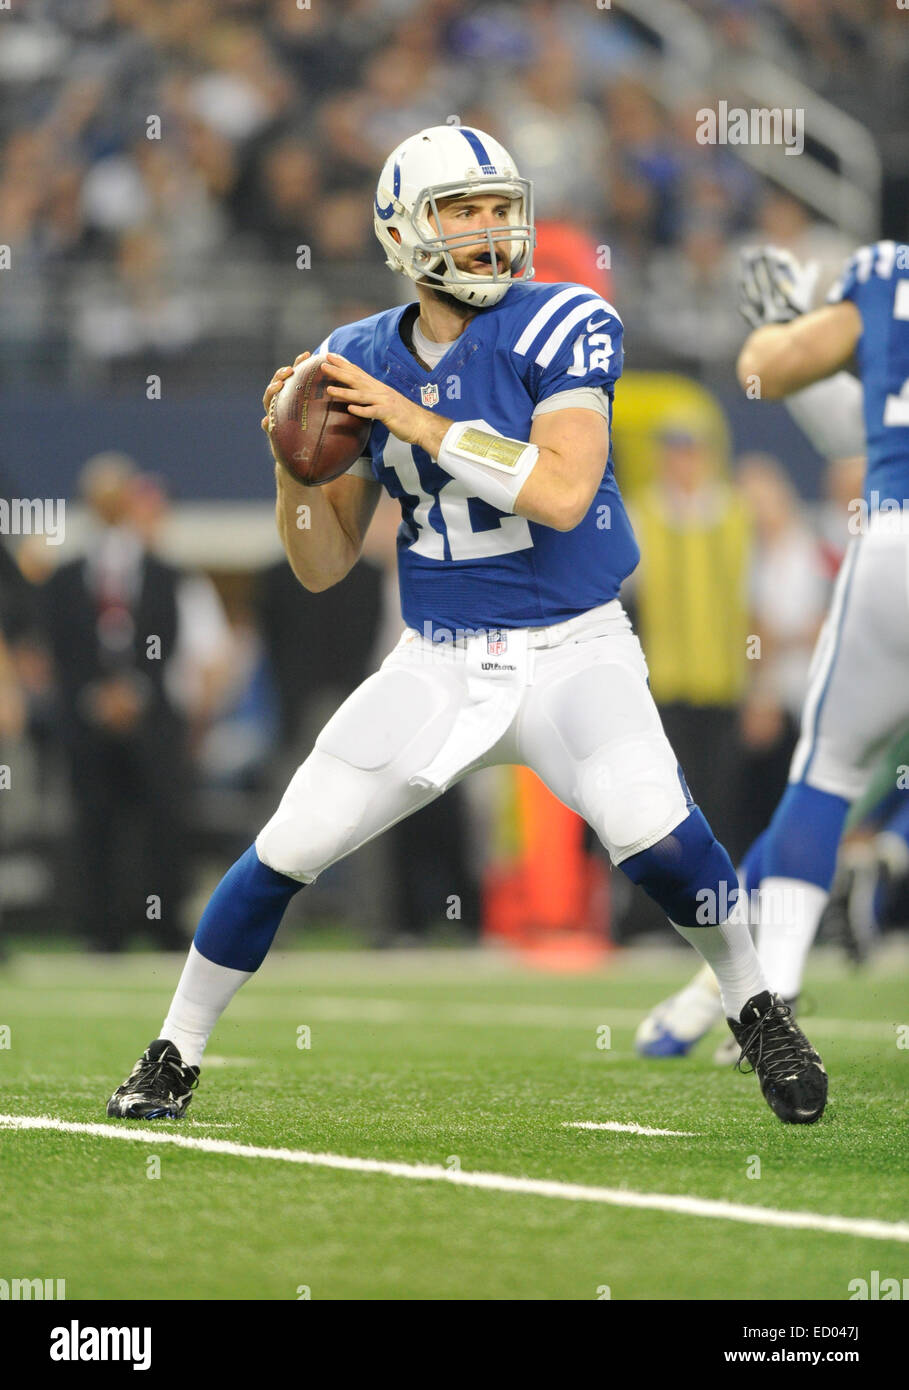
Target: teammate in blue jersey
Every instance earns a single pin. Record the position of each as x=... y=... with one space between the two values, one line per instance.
x=858 y=692
x=491 y=400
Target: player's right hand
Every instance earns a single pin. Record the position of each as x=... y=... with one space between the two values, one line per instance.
x=774 y=287
x=277 y=381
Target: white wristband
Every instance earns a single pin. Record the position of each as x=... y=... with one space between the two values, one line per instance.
x=490 y=465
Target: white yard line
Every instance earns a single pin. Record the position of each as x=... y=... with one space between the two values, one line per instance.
x=496 y=1182
x=615 y=1127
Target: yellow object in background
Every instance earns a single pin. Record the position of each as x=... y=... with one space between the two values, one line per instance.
x=691 y=587
x=692 y=598
x=647 y=403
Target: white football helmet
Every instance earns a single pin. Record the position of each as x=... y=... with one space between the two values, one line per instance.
x=443 y=162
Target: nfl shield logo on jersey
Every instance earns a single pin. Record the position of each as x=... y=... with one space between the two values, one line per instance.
x=429 y=395
x=496 y=642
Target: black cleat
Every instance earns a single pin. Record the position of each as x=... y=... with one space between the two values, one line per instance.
x=159 y=1087
x=792 y=1075
x=729 y=1053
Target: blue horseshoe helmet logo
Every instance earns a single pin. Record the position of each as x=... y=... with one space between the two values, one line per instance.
x=388 y=211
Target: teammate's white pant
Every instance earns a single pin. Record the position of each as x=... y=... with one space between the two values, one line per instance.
x=857 y=701
x=586 y=723
x=858 y=691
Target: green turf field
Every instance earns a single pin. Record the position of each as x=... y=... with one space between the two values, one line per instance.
x=456 y=1060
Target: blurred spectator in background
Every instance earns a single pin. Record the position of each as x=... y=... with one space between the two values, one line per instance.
x=557 y=138
x=217 y=677
x=147 y=309
x=283 y=210
x=12 y=725
x=691 y=314
x=789 y=593
x=18 y=623
x=691 y=597
x=647 y=168
x=318 y=645
x=21 y=616
x=23 y=681
x=242 y=724
x=12 y=697
x=199 y=670
x=112 y=622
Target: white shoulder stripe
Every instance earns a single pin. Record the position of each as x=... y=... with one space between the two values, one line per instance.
x=558 y=335
x=542 y=317
x=323 y=346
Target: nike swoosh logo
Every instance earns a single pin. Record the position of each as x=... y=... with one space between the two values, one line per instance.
x=591 y=325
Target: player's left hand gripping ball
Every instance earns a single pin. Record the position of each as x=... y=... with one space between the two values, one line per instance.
x=314 y=437
x=371 y=399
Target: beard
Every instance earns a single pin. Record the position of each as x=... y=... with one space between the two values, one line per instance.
x=457 y=306
x=451 y=301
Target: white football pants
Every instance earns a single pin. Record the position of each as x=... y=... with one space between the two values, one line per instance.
x=858 y=690
x=584 y=720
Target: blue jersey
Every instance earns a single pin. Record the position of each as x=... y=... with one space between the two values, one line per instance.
x=463 y=564
x=876 y=279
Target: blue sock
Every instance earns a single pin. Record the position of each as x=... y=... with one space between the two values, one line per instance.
x=688 y=873
x=804 y=835
x=243 y=913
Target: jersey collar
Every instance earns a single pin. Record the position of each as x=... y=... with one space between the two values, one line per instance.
x=402 y=362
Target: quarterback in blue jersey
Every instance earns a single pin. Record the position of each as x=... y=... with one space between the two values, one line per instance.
x=543 y=349
x=858 y=692
x=491 y=399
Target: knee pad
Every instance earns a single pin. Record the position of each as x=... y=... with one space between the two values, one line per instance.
x=688 y=873
x=394 y=722
x=632 y=794
x=317 y=820
x=626 y=776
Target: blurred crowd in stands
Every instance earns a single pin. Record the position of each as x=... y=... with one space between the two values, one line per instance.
x=161 y=165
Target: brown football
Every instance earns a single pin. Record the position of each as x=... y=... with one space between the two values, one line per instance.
x=317 y=439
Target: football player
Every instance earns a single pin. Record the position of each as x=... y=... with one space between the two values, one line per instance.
x=491 y=400
x=858 y=694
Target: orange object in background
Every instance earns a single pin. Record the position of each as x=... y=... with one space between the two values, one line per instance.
x=567 y=252
x=551 y=902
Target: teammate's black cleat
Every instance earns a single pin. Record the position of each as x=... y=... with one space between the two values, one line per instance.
x=159 y=1087
x=791 y=1073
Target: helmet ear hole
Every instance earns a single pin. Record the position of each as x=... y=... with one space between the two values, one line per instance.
x=395 y=234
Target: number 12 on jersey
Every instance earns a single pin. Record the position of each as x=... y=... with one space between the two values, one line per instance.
x=464 y=543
